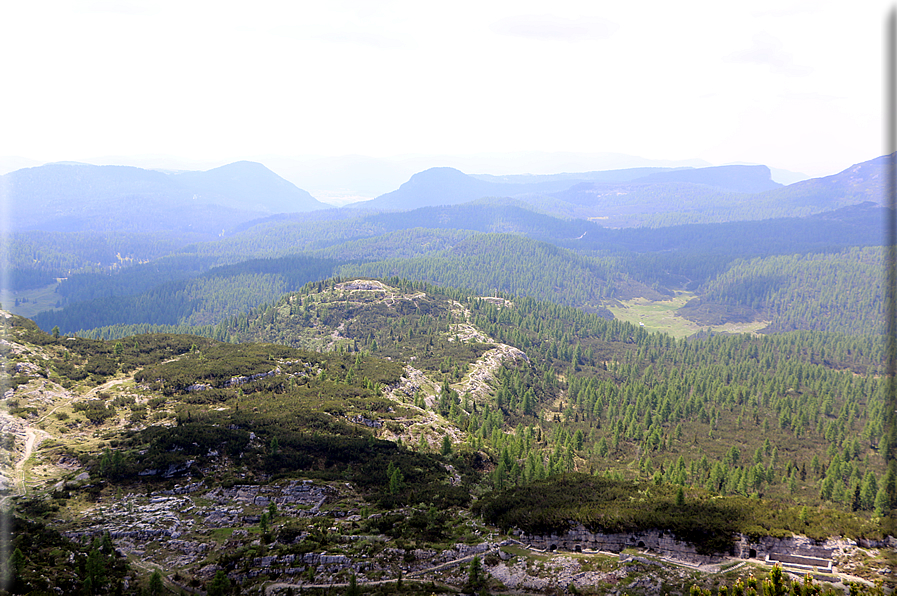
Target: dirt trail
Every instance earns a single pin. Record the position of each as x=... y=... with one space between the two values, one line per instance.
x=34 y=435
x=107 y=385
x=73 y=396
x=411 y=577
x=33 y=438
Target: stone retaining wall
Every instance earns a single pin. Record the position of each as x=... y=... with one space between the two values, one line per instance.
x=666 y=544
x=662 y=543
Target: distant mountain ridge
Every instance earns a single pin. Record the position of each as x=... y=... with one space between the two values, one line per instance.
x=249 y=185
x=201 y=205
x=624 y=175
x=859 y=183
x=440 y=186
x=654 y=197
x=745 y=179
x=448 y=186
x=70 y=197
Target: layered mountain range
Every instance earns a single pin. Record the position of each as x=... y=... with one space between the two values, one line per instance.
x=67 y=197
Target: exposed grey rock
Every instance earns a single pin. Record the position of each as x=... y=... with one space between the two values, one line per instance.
x=29 y=369
x=795 y=545
x=68 y=462
x=207 y=572
x=183 y=490
x=317 y=507
x=650 y=584
x=423 y=554
x=359 y=419
x=178 y=468
x=219 y=519
x=264 y=561
x=188 y=547
x=295 y=570
x=235 y=381
x=327 y=560
x=362 y=284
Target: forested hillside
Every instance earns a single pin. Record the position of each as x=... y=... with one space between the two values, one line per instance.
x=569 y=262
x=412 y=406
x=841 y=292
x=201 y=300
x=795 y=415
x=58 y=254
x=502 y=263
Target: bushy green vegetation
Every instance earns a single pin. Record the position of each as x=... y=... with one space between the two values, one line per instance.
x=279 y=411
x=777 y=583
x=408 y=326
x=603 y=423
x=39 y=560
x=796 y=416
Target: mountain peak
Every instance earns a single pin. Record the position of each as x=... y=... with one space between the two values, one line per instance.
x=435 y=186
x=249 y=185
x=42 y=197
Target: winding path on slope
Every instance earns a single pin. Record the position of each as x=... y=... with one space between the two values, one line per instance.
x=34 y=435
x=33 y=438
x=413 y=577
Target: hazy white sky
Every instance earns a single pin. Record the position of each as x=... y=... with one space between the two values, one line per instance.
x=791 y=84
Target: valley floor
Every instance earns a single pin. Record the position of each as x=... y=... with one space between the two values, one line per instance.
x=661 y=315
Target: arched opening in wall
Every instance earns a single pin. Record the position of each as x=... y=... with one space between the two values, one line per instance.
x=577 y=548
x=752 y=554
x=553 y=547
x=641 y=544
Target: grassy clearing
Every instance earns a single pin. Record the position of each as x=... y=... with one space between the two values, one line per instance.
x=221 y=535
x=728 y=565
x=662 y=316
x=38 y=300
x=523 y=552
